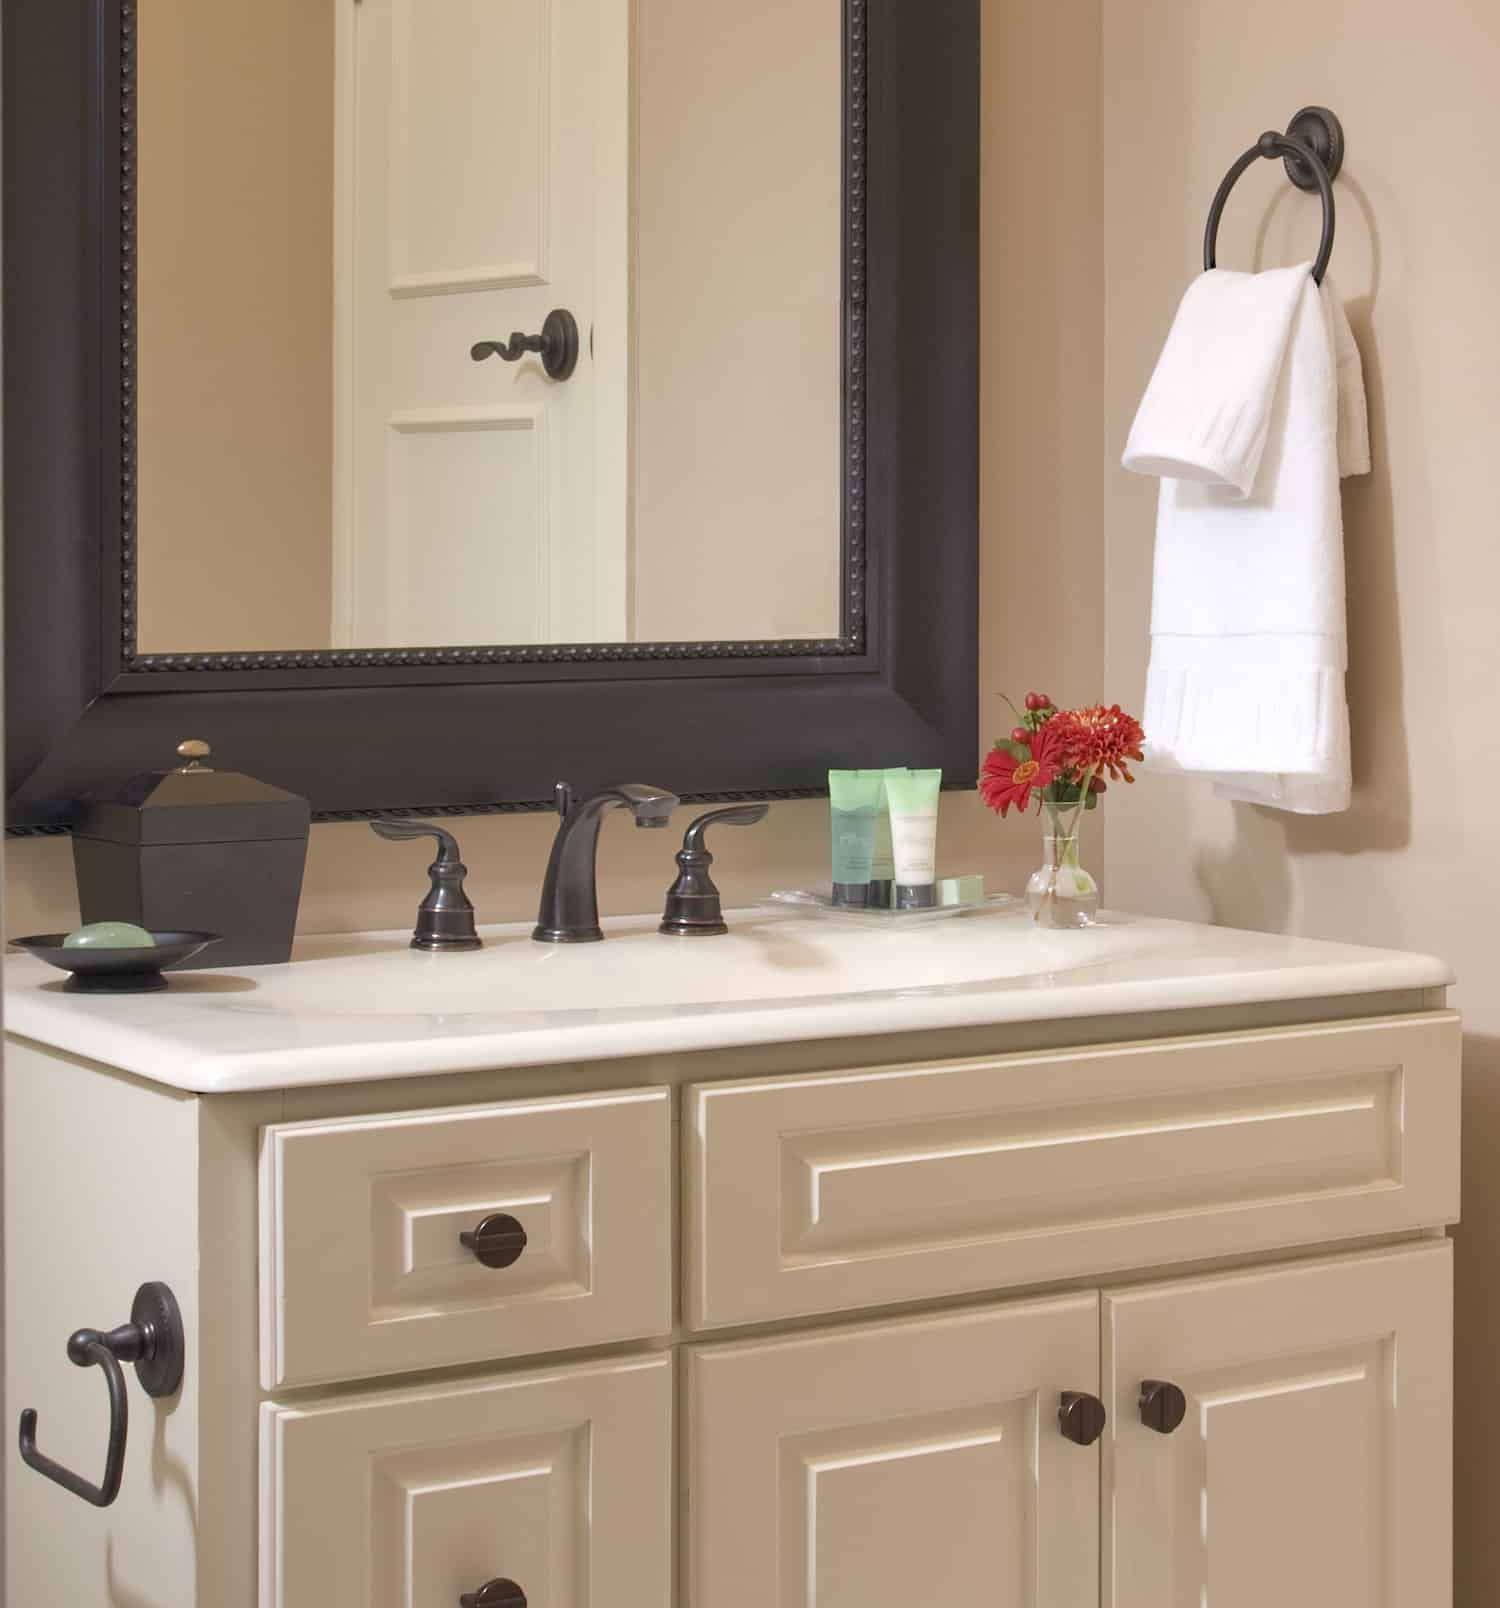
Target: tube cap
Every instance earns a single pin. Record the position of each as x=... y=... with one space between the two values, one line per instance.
x=854 y=894
x=916 y=896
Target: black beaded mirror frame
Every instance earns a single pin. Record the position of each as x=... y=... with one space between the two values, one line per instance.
x=481 y=728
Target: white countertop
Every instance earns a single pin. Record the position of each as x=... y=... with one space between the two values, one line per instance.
x=350 y=1009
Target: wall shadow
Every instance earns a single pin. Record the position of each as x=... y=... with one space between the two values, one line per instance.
x=1249 y=881
x=122 y=1595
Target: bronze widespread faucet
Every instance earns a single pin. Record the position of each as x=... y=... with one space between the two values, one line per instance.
x=569 y=911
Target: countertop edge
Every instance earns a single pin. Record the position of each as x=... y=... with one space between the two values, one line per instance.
x=796 y=1022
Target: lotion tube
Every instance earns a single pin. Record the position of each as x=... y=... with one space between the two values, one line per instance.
x=914 y=819
x=854 y=800
x=883 y=868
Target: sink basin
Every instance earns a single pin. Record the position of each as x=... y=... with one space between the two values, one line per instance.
x=765 y=958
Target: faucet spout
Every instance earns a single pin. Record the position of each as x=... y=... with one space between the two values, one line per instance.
x=569 y=912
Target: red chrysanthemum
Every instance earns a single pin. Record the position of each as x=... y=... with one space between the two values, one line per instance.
x=1099 y=740
x=1006 y=780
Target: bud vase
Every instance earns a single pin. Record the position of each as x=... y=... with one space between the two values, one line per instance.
x=1061 y=893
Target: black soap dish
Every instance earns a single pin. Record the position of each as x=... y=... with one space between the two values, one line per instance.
x=117 y=971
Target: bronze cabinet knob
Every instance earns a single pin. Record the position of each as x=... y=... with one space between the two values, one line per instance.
x=1080 y=1417
x=497 y=1242
x=494 y=1594
x=1163 y=1406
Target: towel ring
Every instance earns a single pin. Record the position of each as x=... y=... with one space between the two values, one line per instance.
x=1313 y=148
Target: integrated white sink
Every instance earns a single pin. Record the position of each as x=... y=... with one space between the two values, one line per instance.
x=366 y=1006
x=765 y=958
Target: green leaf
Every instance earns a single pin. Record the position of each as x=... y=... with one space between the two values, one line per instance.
x=1017 y=751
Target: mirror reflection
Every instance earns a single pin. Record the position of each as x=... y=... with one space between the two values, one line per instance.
x=347 y=208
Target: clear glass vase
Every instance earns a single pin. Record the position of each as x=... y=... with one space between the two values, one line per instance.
x=1061 y=893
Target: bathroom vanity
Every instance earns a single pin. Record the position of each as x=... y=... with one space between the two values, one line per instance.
x=970 y=1264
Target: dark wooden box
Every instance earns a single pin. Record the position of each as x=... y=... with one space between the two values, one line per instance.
x=197 y=850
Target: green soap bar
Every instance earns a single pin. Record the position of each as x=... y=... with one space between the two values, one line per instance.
x=110 y=935
x=961 y=890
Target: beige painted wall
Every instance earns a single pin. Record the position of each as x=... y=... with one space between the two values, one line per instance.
x=1041 y=419
x=738 y=351
x=1416 y=863
x=236 y=325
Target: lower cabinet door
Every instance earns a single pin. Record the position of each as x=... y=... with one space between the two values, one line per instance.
x=559 y=1482
x=1282 y=1437
x=916 y=1462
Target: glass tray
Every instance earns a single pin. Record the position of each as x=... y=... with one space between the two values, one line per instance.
x=819 y=902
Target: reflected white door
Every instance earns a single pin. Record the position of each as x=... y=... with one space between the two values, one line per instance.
x=902 y=1464
x=483 y=177
x=1312 y=1468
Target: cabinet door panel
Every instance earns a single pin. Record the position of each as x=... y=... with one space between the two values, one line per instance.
x=1313 y=1465
x=836 y=1190
x=908 y=1462
x=558 y=1481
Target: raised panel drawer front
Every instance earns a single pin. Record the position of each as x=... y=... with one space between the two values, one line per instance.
x=1312 y=1467
x=839 y=1190
x=363 y=1271
x=897 y=1464
x=560 y=1482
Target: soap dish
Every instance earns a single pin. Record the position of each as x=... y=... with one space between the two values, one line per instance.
x=819 y=902
x=117 y=971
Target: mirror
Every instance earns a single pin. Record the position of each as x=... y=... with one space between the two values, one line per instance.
x=798 y=386
x=340 y=200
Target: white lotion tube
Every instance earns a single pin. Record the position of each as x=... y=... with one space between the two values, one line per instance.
x=914 y=820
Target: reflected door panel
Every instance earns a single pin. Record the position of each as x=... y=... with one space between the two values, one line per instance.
x=482 y=179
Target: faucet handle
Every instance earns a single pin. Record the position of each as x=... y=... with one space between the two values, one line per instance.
x=693 y=905
x=445 y=918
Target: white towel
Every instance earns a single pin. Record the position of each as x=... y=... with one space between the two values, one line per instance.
x=1256 y=409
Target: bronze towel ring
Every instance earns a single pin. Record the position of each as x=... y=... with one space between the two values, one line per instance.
x=1313 y=149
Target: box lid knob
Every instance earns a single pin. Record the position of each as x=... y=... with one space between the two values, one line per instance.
x=195 y=751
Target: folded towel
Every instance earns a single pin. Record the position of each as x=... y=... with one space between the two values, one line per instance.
x=1255 y=410
x=1207 y=410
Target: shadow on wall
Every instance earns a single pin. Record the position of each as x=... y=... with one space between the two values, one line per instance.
x=1250 y=882
x=1477 y=1322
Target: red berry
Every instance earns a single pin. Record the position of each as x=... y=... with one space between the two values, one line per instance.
x=1035 y=701
x=1019 y=734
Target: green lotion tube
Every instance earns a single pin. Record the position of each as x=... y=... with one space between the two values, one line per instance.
x=883 y=871
x=914 y=818
x=854 y=797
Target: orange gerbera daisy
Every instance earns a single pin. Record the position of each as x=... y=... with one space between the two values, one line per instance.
x=1007 y=779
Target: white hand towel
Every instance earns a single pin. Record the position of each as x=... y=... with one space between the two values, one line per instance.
x=1255 y=410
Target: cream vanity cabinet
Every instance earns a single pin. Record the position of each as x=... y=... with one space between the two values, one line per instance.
x=843 y=1324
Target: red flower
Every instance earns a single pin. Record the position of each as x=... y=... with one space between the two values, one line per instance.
x=1007 y=780
x=1099 y=740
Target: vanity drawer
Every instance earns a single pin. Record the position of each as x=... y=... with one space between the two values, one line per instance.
x=559 y=1481
x=362 y=1270
x=840 y=1190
